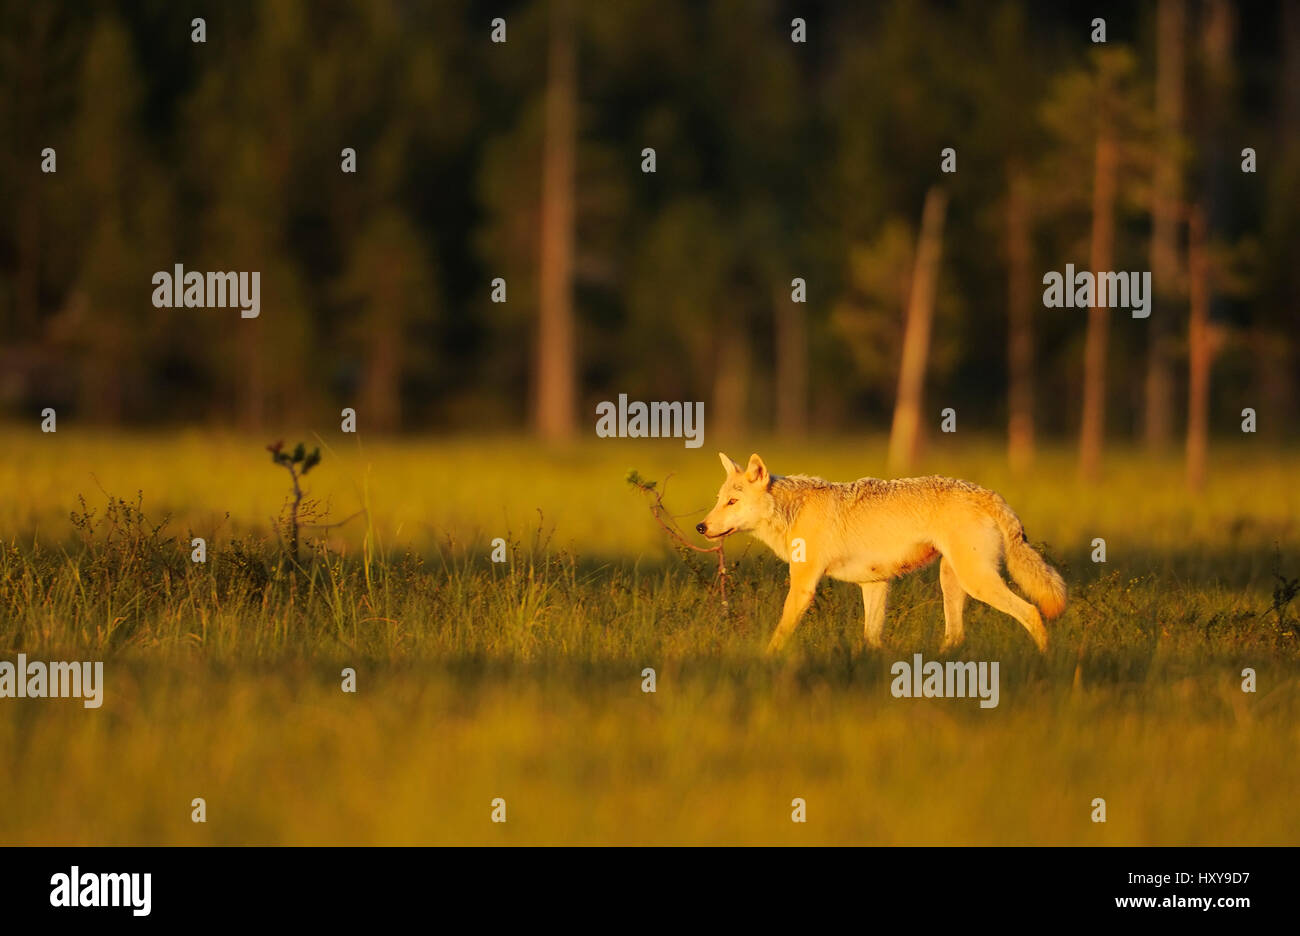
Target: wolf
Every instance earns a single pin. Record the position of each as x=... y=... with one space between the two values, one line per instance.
x=870 y=531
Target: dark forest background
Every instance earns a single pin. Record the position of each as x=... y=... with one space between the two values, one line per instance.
x=775 y=160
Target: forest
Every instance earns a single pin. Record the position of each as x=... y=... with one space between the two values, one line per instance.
x=455 y=228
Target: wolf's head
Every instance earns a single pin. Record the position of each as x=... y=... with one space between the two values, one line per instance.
x=743 y=501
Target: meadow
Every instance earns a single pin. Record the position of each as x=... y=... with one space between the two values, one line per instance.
x=523 y=679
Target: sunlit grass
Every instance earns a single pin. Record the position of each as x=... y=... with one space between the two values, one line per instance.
x=523 y=679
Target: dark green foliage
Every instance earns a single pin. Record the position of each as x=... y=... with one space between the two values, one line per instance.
x=775 y=160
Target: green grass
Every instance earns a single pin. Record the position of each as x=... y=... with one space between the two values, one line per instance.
x=523 y=679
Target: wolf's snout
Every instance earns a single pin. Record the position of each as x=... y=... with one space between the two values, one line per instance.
x=701 y=528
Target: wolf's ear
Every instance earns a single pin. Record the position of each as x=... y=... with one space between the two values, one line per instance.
x=757 y=471
x=729 y=466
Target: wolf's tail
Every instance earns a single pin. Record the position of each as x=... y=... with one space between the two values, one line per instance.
x=1036 y=578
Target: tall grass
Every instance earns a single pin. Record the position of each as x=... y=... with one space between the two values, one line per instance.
x=522 y=678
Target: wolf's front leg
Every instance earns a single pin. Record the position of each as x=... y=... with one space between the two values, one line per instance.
x=803 y=585
x=873 y=602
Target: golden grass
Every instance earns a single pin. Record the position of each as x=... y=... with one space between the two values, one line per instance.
x=524 y=682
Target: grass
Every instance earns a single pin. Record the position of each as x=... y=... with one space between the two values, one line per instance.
x=523 y=679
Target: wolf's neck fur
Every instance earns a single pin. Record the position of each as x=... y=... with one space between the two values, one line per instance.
x=774 y=528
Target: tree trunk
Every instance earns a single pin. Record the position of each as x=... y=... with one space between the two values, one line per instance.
x=1289 y=112
x=556 y=378
x=1093 y=430
x=381 y=397
x=1165 y=202
x=1281 y=375
x=27 y=289
x=791 y=365
x=1020 y=330
x=904 y=437
x=252 y=380
x=27 y=277
x=731 y=380
x=1203 y=337
x=1199 y=353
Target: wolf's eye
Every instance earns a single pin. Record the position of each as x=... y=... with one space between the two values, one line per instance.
x=730 y=502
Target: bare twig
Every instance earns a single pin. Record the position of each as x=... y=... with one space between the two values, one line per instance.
x=668 y=522
x=330 y=526
x=297 y=463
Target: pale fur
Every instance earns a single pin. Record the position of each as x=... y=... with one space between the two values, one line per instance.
x=869 y=531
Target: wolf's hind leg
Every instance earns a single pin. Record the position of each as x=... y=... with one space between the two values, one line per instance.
x=980 y=578
x=954 y=602
x=873 y=602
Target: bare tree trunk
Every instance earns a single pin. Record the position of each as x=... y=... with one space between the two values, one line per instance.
x=556 y=377
x=731 y=381
x=252 y=381
x=1165 y=202
x=1093 y=430
x=791 y=365
x=28 y=274
x=1203 y=337
x=381 y=387
x=1289 y=112
x=1020 y=331
x=1199 y=353
x=904 y=437
x=1282 y=371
